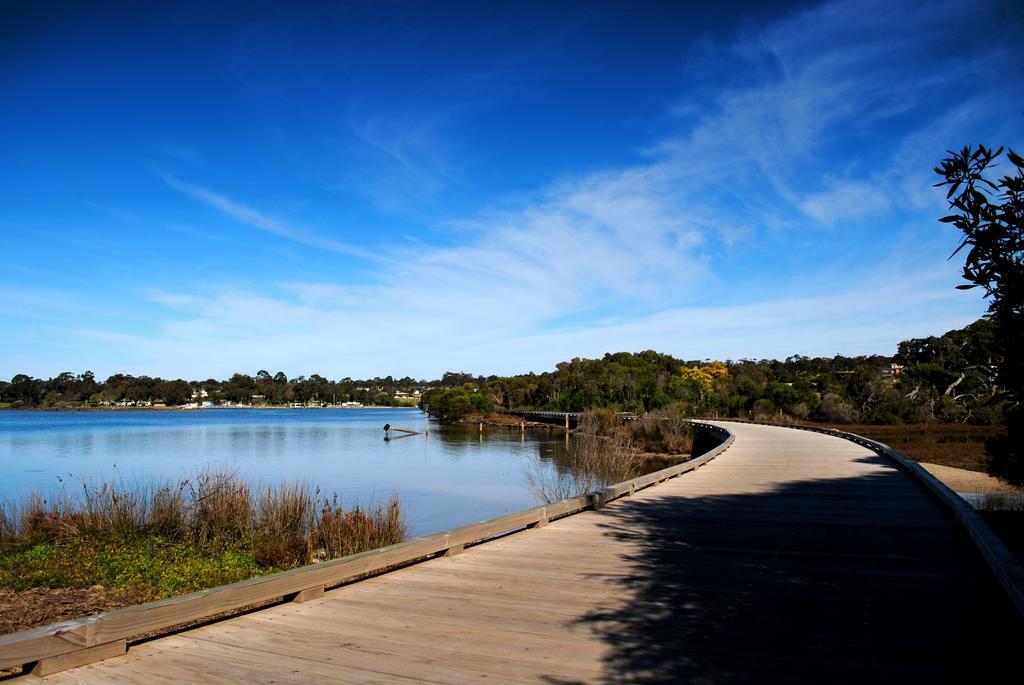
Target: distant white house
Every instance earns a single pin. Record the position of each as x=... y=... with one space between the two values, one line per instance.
x=892 y=371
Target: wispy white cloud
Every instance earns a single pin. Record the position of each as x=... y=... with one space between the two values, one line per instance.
x=832 y=121
x=406 y=156
x=256 y=219
x=845 y=200
x=319 y=329
x=405 y=162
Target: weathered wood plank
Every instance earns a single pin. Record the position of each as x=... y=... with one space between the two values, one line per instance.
x=466 y=638
x=308 y=594
x=56 y=664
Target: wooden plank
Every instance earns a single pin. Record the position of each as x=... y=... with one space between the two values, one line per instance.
x=464 y=636
x=308 y=594
x=56 y=664
x=28 y=646
x=558 y=627
x=566 y=507
x=195 y=660
x=258 y=660
x=430 y=655
x=496 y=526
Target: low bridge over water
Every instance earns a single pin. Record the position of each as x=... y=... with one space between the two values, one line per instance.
x=787 y=555
x=569 y=419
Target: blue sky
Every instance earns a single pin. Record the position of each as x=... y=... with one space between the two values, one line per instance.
x=407 y=188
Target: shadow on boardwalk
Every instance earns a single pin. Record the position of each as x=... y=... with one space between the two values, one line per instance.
x=845 y=580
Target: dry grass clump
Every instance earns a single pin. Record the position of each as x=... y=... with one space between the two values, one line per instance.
x=282 y=521
x=283 y=526
x=340 y=532
x=7 y=529
x=600 y=421
x=168 y=513
x=605 y=450
x=665 y=432
x=590 y=461
x=222 y=507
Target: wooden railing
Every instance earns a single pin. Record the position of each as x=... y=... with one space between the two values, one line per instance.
x=569 y=419
x=73 y=643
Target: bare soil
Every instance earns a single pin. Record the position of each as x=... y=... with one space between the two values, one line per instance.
x=43 y=606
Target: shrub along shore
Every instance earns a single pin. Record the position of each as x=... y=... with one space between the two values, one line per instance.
x=153 y=542
x=605 y=450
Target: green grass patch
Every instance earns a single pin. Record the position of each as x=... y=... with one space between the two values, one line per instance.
x=150 y=565
x=161 y=540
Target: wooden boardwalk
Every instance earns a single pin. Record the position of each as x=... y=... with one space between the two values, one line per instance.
x=792 y=556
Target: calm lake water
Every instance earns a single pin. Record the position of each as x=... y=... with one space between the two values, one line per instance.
x=449 y=476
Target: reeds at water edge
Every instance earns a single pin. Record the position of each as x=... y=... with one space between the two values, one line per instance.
x=286 y=525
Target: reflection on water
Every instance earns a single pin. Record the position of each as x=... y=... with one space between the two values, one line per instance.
x=447 y=475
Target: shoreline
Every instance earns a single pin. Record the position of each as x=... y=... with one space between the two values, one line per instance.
x=115 y=409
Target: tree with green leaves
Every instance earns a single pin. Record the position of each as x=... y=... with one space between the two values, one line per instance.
x=990 y=214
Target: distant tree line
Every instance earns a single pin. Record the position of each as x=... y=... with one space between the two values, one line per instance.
x=79 y=390
x=949 y=378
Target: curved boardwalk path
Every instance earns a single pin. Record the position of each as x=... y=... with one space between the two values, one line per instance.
x=792 y=556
